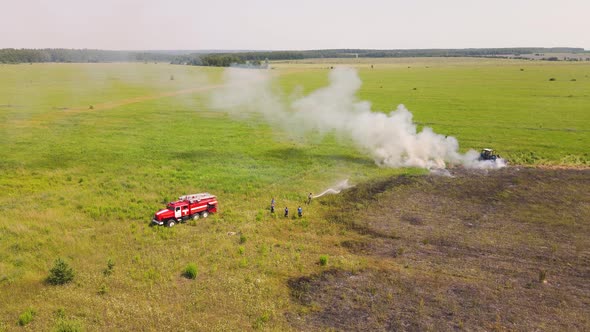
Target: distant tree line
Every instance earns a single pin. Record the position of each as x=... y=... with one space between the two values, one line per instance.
x=10 y=55
x=227 y=59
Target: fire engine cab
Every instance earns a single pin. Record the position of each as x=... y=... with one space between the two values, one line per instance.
x=193 y=206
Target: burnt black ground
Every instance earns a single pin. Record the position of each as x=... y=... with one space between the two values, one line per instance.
x=483 y=250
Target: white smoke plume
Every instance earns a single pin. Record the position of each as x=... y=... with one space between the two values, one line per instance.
x=392 y=140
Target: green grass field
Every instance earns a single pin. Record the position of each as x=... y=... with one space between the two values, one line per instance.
x=90 y=151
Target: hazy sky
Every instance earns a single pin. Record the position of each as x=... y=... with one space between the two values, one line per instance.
x=293 y=24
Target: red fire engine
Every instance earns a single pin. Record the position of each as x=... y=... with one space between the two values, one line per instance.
x=193 y=206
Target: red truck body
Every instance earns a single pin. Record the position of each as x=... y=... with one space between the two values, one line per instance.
x=193 y=206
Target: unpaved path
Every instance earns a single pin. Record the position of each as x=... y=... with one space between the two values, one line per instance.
x=117 y=103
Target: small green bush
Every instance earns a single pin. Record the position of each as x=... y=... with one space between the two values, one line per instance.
x=242 y=238
x=324 y=260
x=243 y=262
x=260 y=321
x=68 y=325
x=190 y=271
x=61 y=273
x=109 y=270
x=259 y=215
x=60 y=313
x=26 y=317
x=103 y=289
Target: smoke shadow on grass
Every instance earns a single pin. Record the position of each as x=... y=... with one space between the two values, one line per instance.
x=288 y=153
x=198 y=155
x=303 y=154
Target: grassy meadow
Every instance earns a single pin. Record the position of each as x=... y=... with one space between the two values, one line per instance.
x=89 y=152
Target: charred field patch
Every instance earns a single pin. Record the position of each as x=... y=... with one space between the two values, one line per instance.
x=496 y=250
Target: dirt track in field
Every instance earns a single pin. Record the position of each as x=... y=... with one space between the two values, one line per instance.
x=480 y=251
x=42 y=118
x=123 y=102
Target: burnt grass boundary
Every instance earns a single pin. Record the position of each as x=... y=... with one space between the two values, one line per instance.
x=479 y=251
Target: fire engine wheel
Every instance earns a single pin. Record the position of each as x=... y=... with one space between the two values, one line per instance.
x=195 y=216
x=204 y=214
x=171 y=223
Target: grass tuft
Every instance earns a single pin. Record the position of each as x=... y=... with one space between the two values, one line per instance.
x=261 y=320
x=60 y=313
x=103 y=289
x=190 y=271
x=26 y=317
x=68 y=325
x=110 y=265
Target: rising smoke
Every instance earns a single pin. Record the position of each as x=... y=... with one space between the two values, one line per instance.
x=392 y=140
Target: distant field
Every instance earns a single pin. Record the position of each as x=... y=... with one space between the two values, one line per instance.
x=90 y=151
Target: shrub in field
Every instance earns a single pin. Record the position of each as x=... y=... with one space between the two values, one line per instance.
x=242 y=238
x=60 y=313
x=259 y=215
x=68 y=325
x=26 y=317
x=243 y=262
x=190 y=271
x=260 y=321
x=552 y=79
x=61 y=273
x=103 y=289
x=109 y=270
x=324 y=260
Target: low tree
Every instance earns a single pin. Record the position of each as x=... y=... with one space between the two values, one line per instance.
x=61 y=273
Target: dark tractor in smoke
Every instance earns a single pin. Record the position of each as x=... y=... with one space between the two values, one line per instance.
x=488 y=154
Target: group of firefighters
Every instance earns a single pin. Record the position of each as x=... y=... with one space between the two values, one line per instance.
x=299 y=209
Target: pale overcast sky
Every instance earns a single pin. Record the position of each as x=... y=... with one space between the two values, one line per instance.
x=294 y=24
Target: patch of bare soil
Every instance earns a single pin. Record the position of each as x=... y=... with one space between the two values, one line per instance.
x=483 y=250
